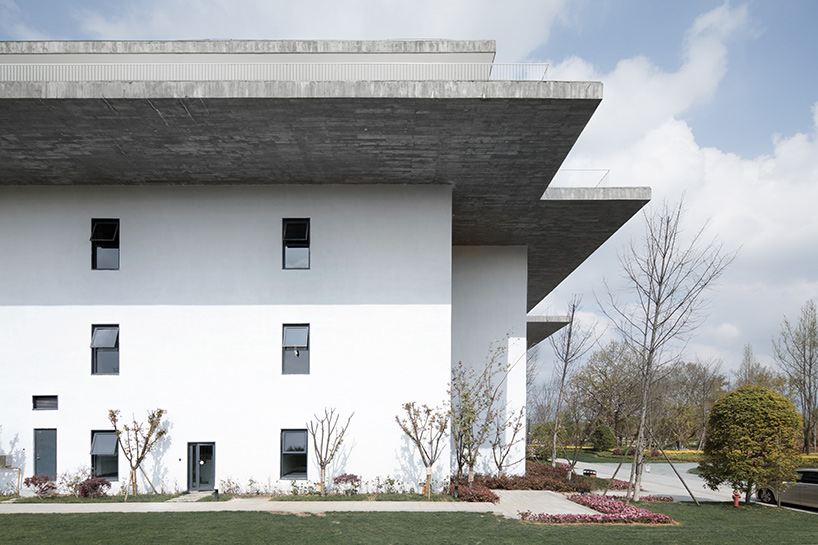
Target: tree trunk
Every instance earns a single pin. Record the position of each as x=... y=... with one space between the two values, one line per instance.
x=556 y=426
x=640 y=447
x=323 y=482
x=471 y=474
x=429 y=481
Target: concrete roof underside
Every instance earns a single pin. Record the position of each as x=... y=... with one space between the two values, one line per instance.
x=498 y=144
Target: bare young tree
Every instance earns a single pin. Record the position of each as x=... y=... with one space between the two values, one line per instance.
x=708 y=385
x=426 y=427
x=136 y=441
x=507 y=432
x=532 y=368
x=752 y=373
x=570 y=344
x=327 y=437
x=667 y=279
x=796 y=352
x=474 y=407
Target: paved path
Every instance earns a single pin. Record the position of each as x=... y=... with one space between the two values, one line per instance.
x=512 y=502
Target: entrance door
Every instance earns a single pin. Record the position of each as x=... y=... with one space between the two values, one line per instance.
x=45 y=453
x=201 y=466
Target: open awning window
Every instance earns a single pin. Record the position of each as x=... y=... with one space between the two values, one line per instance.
x=296 y=231
x=104 y=444
x=105 y=337
x=296 y=336
x=104 y=230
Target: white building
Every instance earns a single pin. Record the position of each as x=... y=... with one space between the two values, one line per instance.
x=178 y=220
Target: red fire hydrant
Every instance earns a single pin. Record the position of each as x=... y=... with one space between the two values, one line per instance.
x=736 y=497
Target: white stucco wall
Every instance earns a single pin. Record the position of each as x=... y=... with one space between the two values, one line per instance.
x=200 y=299
x=489 y=311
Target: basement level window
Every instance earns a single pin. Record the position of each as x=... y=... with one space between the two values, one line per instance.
x=105 y=455
x=104 y=349
x=295 y=357
x=293 y=454
x=44 y=403
x=105 y=244
x=296 y=243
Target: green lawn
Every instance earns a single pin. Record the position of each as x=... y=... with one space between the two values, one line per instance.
x=709 y=524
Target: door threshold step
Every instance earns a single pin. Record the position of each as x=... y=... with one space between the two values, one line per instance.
x=191 y=496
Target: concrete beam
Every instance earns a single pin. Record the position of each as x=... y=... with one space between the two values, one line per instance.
x=282 y=90
x=541 y=327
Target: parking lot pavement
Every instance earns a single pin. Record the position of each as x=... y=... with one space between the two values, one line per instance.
x=659 y=479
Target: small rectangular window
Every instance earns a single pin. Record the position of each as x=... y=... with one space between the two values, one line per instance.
x=105 y=244
x=293 y=454
x=44 y=403
x=105 y=455
x=296 y=243
x=295 y=357
x=105 y=349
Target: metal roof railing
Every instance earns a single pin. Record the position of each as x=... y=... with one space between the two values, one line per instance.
x=337 y=71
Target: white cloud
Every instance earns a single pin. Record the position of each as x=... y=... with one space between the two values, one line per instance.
x=765 y=204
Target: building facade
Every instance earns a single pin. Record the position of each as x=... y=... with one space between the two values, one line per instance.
x=244 y=233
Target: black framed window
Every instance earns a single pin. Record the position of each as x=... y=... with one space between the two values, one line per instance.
x=296 y=243
x=293 y=454
x=105 y=454
x=105 y=349
x=295 y=356
x=44 y=403
x=105 y=244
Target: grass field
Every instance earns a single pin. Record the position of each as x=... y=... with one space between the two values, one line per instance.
x=709 y=524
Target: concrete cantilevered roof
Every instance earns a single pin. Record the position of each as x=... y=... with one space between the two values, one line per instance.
x=497 y=143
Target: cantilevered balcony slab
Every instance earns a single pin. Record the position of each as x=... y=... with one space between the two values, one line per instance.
x=540 y=327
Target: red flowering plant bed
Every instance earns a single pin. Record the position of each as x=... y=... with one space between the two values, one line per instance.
x=473 y=492
x=611 y=511
x=606 y=483
x=649 y=497
x=538 y=477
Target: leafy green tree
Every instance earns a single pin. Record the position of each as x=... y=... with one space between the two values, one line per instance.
x=603 y=438
x=752 y=440
x=609 y=384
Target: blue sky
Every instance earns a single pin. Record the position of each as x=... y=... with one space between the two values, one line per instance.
x=711 y=100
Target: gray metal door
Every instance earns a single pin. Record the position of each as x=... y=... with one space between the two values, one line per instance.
x=45 y=453
x=201 y=464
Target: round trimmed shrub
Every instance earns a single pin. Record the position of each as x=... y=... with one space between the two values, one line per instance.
x=603 y=438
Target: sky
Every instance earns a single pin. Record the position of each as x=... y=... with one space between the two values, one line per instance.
x=708 y=101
